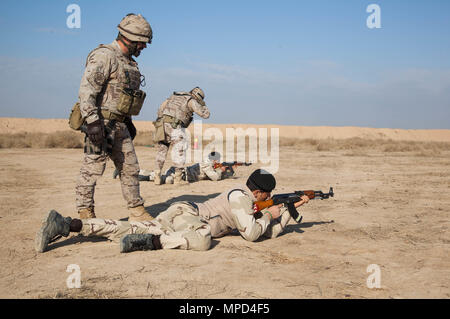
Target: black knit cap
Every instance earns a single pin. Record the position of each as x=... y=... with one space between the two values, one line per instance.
x=261 y=180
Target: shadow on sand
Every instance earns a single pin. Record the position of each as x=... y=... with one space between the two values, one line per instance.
x=76 y=240
x=158 y=208
x=297 y=228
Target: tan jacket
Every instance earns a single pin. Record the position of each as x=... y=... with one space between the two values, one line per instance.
x=233 y=209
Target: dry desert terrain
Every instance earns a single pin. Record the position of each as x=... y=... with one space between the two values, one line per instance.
x=391 y=208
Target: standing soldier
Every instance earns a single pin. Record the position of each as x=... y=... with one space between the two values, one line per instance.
x=109 y=95
x=174 y=116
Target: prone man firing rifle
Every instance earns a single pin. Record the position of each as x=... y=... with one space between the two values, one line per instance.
x=292 y=201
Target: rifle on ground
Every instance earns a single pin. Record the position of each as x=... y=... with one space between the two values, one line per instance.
x=290 y=200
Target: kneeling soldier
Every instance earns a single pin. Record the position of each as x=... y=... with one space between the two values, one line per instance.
x=174 y=116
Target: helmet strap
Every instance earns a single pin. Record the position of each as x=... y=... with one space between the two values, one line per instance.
x=132 y=46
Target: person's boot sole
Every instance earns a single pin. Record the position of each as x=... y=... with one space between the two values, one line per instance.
x=41 y=243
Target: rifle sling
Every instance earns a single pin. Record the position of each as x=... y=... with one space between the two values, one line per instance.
x=294 y=213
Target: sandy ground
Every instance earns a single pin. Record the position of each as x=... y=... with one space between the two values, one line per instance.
x=390 y=209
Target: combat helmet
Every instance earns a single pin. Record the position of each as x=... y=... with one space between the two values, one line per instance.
x=198 y=94
x=135 y=28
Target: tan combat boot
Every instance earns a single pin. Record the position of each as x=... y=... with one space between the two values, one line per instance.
x=139 y=214
x=86 y=213
x=158 y=177
x=178 y=177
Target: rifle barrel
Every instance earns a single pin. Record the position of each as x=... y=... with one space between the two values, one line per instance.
x=292 y=198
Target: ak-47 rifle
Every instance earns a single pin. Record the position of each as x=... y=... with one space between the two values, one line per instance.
x=290 y=200
x=229 y=171
x=229 y=165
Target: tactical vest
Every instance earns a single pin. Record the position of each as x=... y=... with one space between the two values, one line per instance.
x=178 y=109
x=217 y=211
x=121 y=94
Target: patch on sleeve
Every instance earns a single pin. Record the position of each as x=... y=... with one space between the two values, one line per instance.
x=99 y=78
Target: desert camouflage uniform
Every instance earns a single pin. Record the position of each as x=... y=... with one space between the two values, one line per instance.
x=107 y=71
x=180 y=106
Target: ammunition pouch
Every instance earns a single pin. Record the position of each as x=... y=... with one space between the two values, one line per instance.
x=75 y=119
x=131 y=101
x=160 y=133
x=107 y=115
x=174 y=122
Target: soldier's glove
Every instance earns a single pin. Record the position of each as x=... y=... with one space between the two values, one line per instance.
x=95 y=132
x=130 y=126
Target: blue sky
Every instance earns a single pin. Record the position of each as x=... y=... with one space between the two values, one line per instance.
x=309 y=63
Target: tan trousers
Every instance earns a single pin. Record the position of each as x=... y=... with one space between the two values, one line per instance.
x=178 y=139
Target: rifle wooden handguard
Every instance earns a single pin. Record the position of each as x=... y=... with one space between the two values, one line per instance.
x=258 y=206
